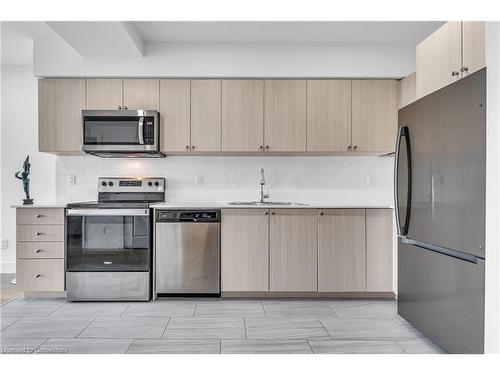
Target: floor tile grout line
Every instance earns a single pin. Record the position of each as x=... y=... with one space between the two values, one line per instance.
x=166 y=325
x=128 y=347
x=327 y=331
x=220 y=346
x=403 y=349
x=60 y=307
x=310 y=346
x=335 y=311
x=11 y=300
x=87 y=326
x=39 y=346
x=245 y=326
x=195 y=308
x=11 y=324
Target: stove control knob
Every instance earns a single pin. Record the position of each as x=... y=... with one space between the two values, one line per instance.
x=104 y=183
x=110 y=183
x=150 y=183
x=157 y=183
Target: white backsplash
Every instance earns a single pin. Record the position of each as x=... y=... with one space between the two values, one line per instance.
x=339 y=179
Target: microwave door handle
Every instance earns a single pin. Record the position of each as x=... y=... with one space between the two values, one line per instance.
x=140 y=129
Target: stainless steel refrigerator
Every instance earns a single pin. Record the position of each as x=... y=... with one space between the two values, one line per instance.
x=440 y=182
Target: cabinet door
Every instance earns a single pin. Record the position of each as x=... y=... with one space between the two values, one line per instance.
x=285 y=115
x=473 y=46
x=242 y=115
x=245 y=250
x=104 y=93
x=206 y=124
x=438 y=57
x=328 y=115
x=175 y=115
x=379 y=250
x=293 y=248
x=374 y=115
x=141 y=94
x=341 y=250
x=60 y=104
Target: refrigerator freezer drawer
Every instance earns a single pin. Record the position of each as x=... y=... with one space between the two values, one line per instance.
x=443 y=297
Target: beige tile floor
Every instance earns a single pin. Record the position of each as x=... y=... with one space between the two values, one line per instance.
x=52 y=325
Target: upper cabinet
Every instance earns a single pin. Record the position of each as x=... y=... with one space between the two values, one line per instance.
x=104 y=93
x=407 y=93
x=206 y=120
x=175 y=131
x=141 y=94
x=242 y=115
x=328 y=115
x=450 y=53
x=285 y=115
x=374 y=115
x=60 y=104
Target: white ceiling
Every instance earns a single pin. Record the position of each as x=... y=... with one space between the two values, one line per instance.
x=17 y=37
x=286 y=31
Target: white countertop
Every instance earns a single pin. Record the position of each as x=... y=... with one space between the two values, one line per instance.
x=41 y=205
x=218 y=205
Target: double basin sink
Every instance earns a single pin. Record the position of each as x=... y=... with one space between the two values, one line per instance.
x=270 y=203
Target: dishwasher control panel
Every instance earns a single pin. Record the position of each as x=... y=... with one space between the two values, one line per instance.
x=188 y=215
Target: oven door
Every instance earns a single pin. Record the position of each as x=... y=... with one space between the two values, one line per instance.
x=120 y=131
x=108 y=240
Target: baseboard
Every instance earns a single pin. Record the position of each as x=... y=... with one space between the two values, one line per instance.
x=8 y=267
x=311 y=295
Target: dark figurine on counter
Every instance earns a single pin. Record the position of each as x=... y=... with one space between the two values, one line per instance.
x=24 y=176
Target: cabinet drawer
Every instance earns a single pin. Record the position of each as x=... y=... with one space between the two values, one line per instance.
x=40 y=250
x=40 y=274
x=40 y=216
x=42 y=233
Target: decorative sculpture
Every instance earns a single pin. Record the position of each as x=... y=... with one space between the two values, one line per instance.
x=24 y=177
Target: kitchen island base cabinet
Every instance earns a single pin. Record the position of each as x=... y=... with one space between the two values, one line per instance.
x=293 y=249
x=341 y=250
x=245 y=250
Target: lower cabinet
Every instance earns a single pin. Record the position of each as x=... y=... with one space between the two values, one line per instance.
x=307 y=250
x=341 y=250
x=245 y=250
x=293 y=250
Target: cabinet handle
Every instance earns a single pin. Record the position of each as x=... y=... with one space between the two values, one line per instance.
x=267 y=147
x=38 y=216
x=266 y=213
x=321 y=213
x=272 y=213
x=187 y=147
x=261 y=147
x=38 y=251
x=125 y=107
x=355 y=148
x=37 y=276
x=464 y=69
x=39 y=233
x=119 y=107
x=454 y=73
x=192 y=147
x=349 y=148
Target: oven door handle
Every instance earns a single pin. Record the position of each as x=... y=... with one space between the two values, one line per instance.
x=108 y=212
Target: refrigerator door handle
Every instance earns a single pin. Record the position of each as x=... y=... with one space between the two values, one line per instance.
x=402 y=229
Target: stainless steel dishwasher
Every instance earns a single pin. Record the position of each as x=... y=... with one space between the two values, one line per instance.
x=187 y=252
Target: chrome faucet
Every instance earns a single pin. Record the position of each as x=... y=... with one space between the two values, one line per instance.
x=262 y=195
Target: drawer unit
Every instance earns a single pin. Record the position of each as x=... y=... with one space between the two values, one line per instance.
x=40 y=274
x=40 y=233
x=40 y=216
x=40 y=250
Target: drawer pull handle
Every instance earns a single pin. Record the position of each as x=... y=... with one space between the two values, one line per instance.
x=37 y=276
x=39 y=233
x=38 y=251
x=38 y=216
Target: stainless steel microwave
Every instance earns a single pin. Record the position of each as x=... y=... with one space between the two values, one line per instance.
x=122 y=133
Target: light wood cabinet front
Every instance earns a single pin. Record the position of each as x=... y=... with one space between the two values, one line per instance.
x=242 y=115
x=245 y=250
x=175 y=102
x=40 y=233
x=439 y=59
x=206 y=123
x=40 y=275
x=341 y=250
x=60 y=104
x=328 y=115
x=379 y=250
x=293 y=248
x=407 y=93
x=104 y=93
x=141 y=94
x=374 y=115
x=473 y=47
x=285 y=115
x=40 y=216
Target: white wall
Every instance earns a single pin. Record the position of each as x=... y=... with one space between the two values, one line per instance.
x=19 y=137
x=54 y=58
x=340 y=180
x=492 y=315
